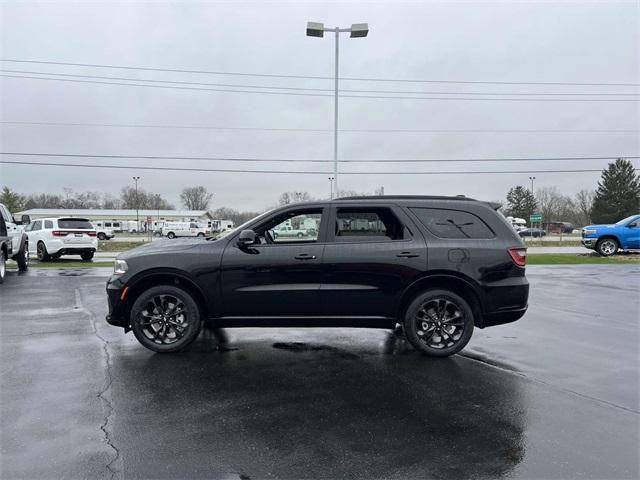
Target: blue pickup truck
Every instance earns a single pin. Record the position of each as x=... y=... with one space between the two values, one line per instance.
x=608 y=239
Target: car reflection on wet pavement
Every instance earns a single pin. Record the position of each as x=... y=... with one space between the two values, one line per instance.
x=544 y=397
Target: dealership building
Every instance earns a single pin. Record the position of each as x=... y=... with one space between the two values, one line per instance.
x=119 y=215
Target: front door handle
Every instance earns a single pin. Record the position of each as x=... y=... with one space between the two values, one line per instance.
x=407 y=255
x=305 y=256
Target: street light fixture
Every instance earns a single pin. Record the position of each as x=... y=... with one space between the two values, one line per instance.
x=357 y=30
x=532 y=179
x=330 y=188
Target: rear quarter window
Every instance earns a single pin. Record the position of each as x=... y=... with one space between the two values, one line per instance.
x=71 y=223
x=445 y=223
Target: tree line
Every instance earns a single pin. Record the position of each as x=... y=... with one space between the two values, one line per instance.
x=617 y=196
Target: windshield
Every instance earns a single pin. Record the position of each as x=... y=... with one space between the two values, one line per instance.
x=625 y=220
x=240 y=227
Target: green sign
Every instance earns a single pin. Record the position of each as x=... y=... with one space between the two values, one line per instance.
x=535 y=217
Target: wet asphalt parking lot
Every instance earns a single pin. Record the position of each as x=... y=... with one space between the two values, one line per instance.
x=554 y=395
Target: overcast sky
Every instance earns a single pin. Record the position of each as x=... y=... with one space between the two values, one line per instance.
x=584 y=42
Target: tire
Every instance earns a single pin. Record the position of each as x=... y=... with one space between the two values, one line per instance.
x=102 y=236
x=171 y=235
x=156 y=332
x=3 y=266
x=423 y=324
x=41 y=251
x=201 y=234
x=23 y=258
x=86 y=256
x=300 y=235
x=607 y=246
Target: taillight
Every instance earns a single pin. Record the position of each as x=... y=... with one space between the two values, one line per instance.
x=92 y=234
x=60 y=233
x=518 y=255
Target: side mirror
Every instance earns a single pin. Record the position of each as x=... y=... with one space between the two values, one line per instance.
x=633 y=225
x=24 y=220
x=246 y=238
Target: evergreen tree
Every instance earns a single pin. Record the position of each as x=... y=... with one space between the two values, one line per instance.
x=618 y=194
x=12 y=200
x=521 y=202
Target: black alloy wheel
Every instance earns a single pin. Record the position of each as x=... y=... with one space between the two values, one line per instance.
x=439 y=323
x=165 y=319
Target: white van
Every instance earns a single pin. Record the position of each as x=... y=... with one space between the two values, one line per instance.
x=183 y=229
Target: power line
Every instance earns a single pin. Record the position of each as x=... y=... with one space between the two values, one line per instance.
x=315 y=160
x=172 y=87
x=316 y=130
x=186 y=169
x=267 y=75
x=235 y=85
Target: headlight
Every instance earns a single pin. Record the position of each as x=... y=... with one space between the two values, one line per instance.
x=120 y=267
x=589 y=231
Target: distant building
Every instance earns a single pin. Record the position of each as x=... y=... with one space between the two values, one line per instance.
x=119 y=215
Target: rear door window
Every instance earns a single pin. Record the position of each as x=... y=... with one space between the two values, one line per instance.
x=367 y=224
x=453 y=223
x=72 y=223
x=48 y=224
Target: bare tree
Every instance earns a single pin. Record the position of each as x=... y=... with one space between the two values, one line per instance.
x=144 y=199
x=583 y=202
x=549 y=202
x=237 y=217
x=196 y=198
x=293 y=197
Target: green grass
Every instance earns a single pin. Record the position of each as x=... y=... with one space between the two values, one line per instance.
x=111 y=246
x=553 y=243
x=71 y=264
x=581 y=259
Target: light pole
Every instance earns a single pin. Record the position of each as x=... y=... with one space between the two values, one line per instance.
x=330 y=188
x=532 y=179
x=135 y=179
x=357 y=30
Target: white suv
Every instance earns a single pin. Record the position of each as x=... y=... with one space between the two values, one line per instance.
x=54 y=237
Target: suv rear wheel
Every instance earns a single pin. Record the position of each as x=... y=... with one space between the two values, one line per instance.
x=42 y=253
x=607 y=246
x=165 y=319
x=86 y=256
x=438 y=323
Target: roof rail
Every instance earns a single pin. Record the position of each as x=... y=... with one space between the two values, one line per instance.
x=405 y=197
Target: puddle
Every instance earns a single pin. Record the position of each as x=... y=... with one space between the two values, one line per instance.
x=308 y=347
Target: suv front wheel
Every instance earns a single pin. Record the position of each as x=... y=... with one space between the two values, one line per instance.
x=165 y=319
x=438 y=323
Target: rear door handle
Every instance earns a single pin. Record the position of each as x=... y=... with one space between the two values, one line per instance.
x=407 y=255
x=305 y=256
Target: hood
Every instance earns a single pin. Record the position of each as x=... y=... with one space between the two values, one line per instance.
x=162 y=246
x=600 y=226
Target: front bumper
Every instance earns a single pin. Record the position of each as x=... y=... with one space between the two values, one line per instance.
x=117 y=314
x=589 y=242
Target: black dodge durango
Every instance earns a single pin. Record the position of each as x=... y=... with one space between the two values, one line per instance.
x=438 y=266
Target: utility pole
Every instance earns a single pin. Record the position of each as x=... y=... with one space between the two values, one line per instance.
x=135 y=179
x=357 y=30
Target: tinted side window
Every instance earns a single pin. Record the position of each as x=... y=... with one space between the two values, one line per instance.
x=453 y=223
x=37 y=225
x=48 y=224
x=363 y=224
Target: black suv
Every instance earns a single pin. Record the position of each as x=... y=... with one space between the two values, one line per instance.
x=436 y=265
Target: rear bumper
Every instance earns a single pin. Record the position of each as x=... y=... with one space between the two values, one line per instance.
x=505 y=301
x=503 y=316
